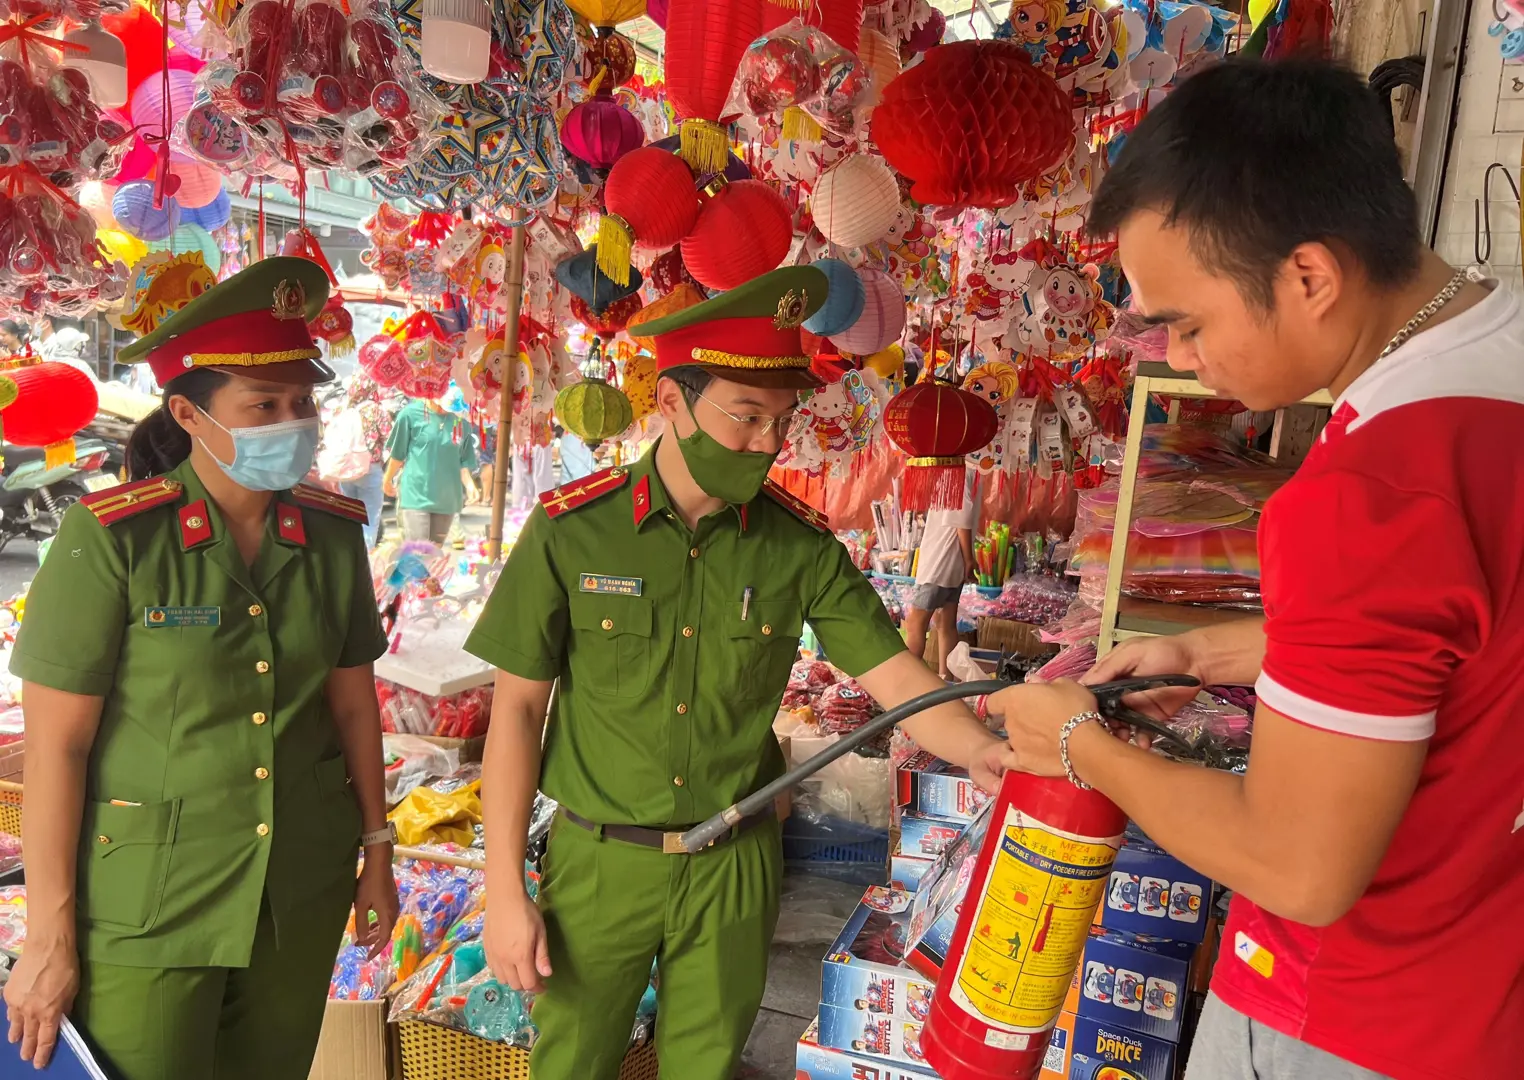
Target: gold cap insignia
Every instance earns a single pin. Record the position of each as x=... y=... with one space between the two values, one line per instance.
x=290 y=300
x=791 y=307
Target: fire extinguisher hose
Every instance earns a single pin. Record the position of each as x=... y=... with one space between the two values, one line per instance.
x=701 y=836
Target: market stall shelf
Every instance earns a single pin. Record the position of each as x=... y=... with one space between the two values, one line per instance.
x=444 y=675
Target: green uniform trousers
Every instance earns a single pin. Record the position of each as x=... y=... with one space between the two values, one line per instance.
x=610 y=908
x=214 y=1023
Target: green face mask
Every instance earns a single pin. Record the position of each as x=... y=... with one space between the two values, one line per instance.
x=734 y=476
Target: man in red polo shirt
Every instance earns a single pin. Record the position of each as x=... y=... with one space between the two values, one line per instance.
x=1376 y=844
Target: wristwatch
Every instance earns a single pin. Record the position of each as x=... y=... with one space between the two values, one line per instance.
x=388 y=835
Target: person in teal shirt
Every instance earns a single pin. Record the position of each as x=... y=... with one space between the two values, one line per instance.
x=434 y=451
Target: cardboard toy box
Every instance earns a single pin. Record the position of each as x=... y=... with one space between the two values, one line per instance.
x=1152 y=893
x=872 y=1034
x=1055 y=1065
x=356 y=1043
x=915 y=841
x=1133 y=982
x=815 y=1062
x=863 y=974
x=928 y=785
x=935 y=906
x=1099 y=1051
x=905 y=873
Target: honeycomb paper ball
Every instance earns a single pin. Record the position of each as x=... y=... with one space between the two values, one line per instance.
x=855 y=201
x=970 y=122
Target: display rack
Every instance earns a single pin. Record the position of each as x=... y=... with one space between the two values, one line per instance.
x=435 y=675
x=1125 y=617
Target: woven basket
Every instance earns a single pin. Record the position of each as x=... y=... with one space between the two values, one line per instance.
x=432 y=1052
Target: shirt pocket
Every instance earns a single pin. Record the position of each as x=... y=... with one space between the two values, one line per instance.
x=765 y=644
x=125 y=862
x=611 y=643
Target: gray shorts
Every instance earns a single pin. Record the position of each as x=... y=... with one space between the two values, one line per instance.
x=423 y=525
x=935 y=597
x=1230 y=1046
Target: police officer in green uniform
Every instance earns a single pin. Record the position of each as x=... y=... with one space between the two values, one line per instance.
x=203 y=740
x=667 y=600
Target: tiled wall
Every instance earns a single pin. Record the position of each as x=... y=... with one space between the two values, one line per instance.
x=1489 y=127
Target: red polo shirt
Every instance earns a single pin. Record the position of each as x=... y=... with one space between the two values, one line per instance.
x=1393 y=576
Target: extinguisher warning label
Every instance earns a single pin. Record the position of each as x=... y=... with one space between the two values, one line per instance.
x=1031 y=925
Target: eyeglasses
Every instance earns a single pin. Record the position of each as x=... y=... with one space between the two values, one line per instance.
x=767 y=422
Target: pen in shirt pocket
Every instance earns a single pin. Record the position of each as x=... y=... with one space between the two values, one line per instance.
x=745 y=603
x=124 y=802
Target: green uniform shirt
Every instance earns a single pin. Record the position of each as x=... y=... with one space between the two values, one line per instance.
x=434 y=446
x=216 y=774
x=669 y=679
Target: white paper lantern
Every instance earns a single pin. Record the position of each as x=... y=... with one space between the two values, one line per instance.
x=855 y=201
x=881 y=57
x=883 y=318
x=457 y=40
x=104 y=62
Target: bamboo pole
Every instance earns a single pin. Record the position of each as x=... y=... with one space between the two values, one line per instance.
x=513 y=281
x=445 y=858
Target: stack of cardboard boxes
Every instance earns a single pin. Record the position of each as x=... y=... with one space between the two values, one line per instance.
x=934 y=803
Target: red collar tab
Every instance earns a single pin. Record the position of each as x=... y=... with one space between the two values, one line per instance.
x=796 y=506
x=642 y=499
x=581 y=492
x=195 y=525
x=288 y=522
x=745 y=511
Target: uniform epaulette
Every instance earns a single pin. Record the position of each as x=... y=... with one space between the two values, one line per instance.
x=583 y=491
x=796 y=506
x=316 y=498
x=123 y=501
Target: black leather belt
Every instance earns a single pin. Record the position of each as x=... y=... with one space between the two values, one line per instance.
x=668 y=842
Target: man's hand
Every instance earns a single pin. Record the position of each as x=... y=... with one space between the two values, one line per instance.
x=40 y=994
x=376 y=892
x=1034 y=714
x=517 y=950
x=1170 y=655
x=988 y=766
x=389 y=486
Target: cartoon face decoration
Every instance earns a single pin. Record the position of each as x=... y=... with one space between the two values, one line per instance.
x=1067 y=292
x=1007 y=272
x=491 y=264
x=996 y=382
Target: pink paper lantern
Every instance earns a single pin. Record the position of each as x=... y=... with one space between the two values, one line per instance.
x=883 y=318
x=199 y=185
x=147 y=105
x=601 y=131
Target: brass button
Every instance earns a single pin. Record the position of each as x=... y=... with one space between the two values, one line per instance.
x=608 y=624
x=262 y=667
x=615 y=474
x=687 y=631
x=194 y=522
x=766 y=629
x=693 y=553
x=255 y=610
x=261 y=773
x=262 y=829
x=682 y=710
x=103 y=839
x=259 y=718
x=678 y=781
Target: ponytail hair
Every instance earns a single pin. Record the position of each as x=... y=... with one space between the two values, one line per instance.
x=158 y=443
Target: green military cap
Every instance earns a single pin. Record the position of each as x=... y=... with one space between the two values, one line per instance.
x=749 y=334
x=253 y=324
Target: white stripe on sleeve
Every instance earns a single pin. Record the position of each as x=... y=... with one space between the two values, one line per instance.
x=1305 y=710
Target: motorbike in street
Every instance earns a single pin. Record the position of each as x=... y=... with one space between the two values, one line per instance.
x=33 y=497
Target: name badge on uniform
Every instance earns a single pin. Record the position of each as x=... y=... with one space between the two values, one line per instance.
x=619 y=586
x=158 y=618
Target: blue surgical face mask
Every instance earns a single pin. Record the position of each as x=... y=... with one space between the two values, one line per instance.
x=274 y=457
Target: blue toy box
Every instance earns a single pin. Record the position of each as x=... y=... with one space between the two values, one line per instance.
x=915 y=842
x=905 y=873
x=863 y=973
x=1155 y=894
x=927 y=785
x=1101 y=1052
x=1133 y=982
x=871 y=1034
x=816 y=1062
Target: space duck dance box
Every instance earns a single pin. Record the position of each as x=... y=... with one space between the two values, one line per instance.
x=1154 y=894
x=815 y=1062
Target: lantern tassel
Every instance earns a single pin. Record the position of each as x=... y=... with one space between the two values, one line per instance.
x=343 y=347
x=934 y=483
x=57 y=454
x=705 y=146
x=615 y=238
x=800 y=126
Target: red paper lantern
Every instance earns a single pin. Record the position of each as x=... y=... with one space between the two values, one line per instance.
x=839 y=20
x=938 y=425
x=612 y=319
x=53 y=401
x=704 y=43
x=647 y=200
x=742 y=232
x=667 y=272
x=971 y=121
x=600 y=131
x=612 y=55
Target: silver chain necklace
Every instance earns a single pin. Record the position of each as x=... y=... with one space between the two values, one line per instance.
x=1425 y=313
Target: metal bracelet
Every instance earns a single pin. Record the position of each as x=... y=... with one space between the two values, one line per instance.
x=1063 y=745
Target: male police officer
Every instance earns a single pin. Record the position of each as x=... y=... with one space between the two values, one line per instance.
x=667 y=599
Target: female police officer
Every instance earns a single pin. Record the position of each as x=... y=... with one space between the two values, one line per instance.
x=203 y=740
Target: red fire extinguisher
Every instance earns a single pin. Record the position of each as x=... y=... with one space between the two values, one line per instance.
x=1036 y=885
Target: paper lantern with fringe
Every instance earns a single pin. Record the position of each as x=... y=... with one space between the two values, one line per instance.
x=704 y=43
x=937 y=426
x=742 y=232
x=970 y=122
x=883 y=317
x=594 y=411
x=855 y=201
x=600 y=131
x=648 y=200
